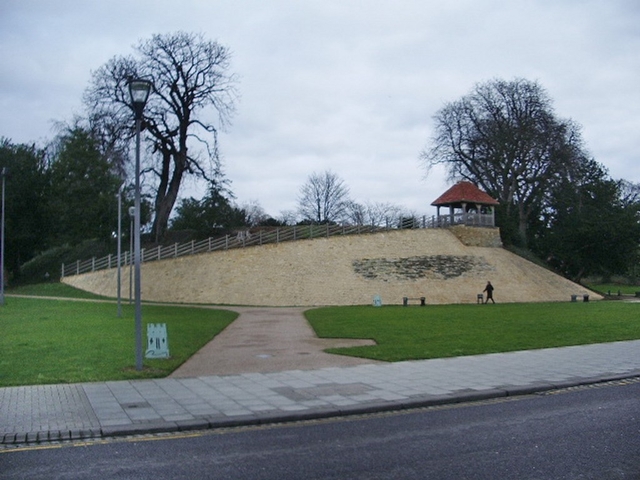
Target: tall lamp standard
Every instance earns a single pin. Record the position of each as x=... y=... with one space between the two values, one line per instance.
x=132 y=213
x=119 y=287
x=4 y=173
x=139 y=91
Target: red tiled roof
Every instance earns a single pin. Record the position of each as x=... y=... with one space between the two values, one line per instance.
x=465 y=192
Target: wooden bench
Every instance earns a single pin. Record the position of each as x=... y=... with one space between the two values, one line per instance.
x=405 y=301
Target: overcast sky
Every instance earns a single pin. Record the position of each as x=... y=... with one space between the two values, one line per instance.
x=340 y=85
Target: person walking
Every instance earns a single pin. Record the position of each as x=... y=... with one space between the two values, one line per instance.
x=489 y=290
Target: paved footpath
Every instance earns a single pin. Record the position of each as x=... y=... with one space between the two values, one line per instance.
x=87 y=410
x=268 y=340
x=102 y=409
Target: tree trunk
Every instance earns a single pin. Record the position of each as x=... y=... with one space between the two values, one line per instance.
x=166 y=198
x=161 y=221
x=522 y=225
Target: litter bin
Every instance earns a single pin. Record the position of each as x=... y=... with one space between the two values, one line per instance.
x=585 y=298
x=574 y=298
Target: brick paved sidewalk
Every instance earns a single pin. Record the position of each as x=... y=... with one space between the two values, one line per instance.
x=89 y=410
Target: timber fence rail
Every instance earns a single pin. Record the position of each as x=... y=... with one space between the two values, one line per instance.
x=241 y=239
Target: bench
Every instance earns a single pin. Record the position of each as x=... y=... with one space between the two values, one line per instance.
x=585 y=298
x=405 y=301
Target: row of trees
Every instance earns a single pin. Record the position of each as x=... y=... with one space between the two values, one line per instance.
x=62 y=194
x=554 y=199
x=67 y=192
x=324 y=198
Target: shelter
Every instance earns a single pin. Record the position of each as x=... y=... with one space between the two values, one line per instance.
x=468 y=205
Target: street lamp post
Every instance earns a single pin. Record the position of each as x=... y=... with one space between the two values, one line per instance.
x=4 y=173
x=139 y=91
x=119 y=288
x=132 y=212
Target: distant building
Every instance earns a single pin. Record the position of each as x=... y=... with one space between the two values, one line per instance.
x=468 y=205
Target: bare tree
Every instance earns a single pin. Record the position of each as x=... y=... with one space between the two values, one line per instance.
x=288 y=217
x=505 y=137
x=357 y=214
x=324 y=198
x=253 y=212
x=629 y=192
x=376 y=214
x=191 y=79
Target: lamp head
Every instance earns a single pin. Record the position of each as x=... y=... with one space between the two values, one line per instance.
x=139 y=90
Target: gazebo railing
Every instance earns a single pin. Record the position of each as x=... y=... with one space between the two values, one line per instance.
x=470 y=219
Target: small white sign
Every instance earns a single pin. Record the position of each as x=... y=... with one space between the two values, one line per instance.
x=157 y=341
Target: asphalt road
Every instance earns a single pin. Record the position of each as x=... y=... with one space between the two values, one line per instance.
x=587 y=433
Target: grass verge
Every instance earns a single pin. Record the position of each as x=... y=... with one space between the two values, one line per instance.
x=410 y=333
x=614 y=288
x=53 y=289
x=63 y=341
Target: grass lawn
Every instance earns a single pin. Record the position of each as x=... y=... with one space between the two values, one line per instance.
x=62 y=341
x=614 y=288
x=409 y=333
x=53 y=289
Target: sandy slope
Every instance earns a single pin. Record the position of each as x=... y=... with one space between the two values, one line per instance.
x=347 y=270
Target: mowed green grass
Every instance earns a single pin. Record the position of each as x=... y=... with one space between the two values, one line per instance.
x=614 y=288
x=62 y=341
x=53 y=289
x=409 y=333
